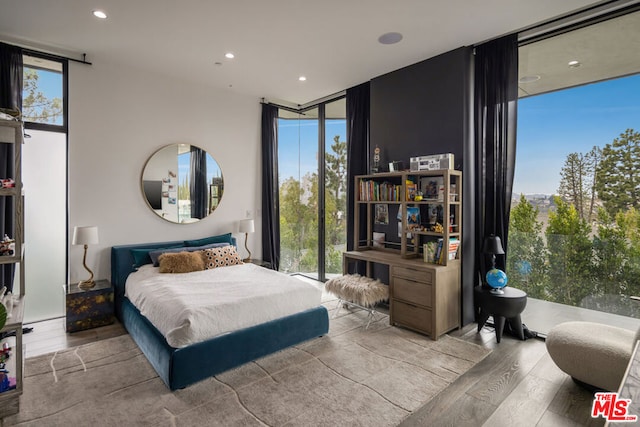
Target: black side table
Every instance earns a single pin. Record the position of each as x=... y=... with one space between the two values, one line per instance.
x=89 y=308
x=506 y=306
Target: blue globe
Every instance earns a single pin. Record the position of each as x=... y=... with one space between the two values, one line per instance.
x=497 y=279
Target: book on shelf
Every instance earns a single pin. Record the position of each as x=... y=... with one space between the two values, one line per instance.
x=451 y=254
x=371 y=190
x=412 y=190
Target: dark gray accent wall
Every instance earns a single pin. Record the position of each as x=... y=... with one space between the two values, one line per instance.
x=425 y=109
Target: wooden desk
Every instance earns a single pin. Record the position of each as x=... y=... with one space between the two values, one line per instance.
x=423 y=297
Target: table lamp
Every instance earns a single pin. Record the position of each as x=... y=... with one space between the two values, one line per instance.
x=246 y=226
x=496 y=278
x=85 y=236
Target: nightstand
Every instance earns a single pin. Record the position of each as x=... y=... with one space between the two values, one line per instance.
x=89 y=308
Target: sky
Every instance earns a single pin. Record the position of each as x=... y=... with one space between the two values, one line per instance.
x=551 y=126
x=298 y=145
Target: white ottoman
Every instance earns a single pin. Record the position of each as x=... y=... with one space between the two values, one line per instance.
x=592 y=353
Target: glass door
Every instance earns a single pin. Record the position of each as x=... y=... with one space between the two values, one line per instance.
x=312 y=156
x=298 y=191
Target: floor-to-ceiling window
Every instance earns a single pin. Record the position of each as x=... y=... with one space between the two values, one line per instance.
x=312 y=185
x=574 y=237
x=44 y=175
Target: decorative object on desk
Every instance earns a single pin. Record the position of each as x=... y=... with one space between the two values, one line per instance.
x=246 y=226
x=497 y=279
x=85 y=236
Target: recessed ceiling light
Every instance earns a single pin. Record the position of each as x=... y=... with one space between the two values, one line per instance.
x=99 y=14
x=302 y=78
x=229 y=55
x=529 y=79
x=574 y=64
x=390 y=38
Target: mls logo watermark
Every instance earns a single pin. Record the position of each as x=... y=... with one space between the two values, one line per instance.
x=610 y=407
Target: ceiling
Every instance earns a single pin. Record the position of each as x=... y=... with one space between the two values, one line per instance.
x=604 y=50
x=334 y=43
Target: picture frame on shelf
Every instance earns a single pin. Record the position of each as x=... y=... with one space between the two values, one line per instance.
x=378 y=239
x=413 y=218
x=435 y=213
x=432 y=188
x=412 y=190
x=381 y=214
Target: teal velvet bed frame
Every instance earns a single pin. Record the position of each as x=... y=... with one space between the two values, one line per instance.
x=179 y=367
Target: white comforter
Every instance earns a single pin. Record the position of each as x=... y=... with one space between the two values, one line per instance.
x=193 y=307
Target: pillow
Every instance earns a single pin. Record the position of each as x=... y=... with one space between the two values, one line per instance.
x=220 y=257
x=181 y=262
x=141 y=256
x=222 y=238
x=154 y=255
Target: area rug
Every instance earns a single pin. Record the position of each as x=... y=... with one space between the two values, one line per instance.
x=351 y=377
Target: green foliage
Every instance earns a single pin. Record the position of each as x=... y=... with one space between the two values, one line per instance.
x=36 y=107
x=618 y=174
x=299 y=216
x=578 y=181
x=526 y=263
x=569 y=249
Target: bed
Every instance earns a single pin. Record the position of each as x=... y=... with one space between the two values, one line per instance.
x=181 y=366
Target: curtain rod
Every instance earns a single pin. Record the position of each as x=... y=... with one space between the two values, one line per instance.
x=42 y=53
x=54 y=56
x=309 y=105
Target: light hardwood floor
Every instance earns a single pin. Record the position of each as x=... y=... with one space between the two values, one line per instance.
x=516 y=385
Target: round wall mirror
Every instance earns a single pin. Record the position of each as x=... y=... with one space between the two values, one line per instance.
x=182 y=183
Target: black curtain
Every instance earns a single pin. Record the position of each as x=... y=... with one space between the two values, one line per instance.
x=198 y=183
x=496 y=95
x=270 y=196
x=358 y=101
x=10 y=98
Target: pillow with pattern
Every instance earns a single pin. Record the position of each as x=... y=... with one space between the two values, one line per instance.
x=220 y=257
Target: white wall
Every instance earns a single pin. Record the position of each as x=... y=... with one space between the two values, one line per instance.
x=117 y=118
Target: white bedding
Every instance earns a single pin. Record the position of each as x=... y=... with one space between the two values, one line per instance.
x=193 y=307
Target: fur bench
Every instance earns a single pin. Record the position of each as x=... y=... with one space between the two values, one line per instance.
x=357 y=289
x=360 y=291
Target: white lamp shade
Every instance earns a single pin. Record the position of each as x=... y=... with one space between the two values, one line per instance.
x=85 y=235
x=246 y=226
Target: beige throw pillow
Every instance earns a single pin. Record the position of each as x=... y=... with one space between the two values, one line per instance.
x=181 y=262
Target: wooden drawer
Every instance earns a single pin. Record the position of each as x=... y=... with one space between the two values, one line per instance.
x=412 y=316
x=424 y=276
x=412 y=291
